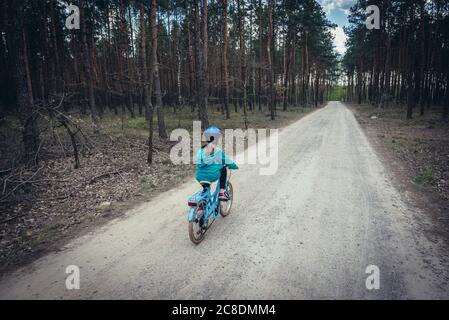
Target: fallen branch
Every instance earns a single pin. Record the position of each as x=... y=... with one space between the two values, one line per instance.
x=104 y=175
x=19 y=185
x=5 y=171
x=11 y=218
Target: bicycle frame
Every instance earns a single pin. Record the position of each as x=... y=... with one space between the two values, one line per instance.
x=213 y=204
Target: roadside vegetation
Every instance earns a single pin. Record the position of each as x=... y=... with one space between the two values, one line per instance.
x=421 y=145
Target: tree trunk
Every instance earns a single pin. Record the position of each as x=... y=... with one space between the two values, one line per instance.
x=224 y=24
x=411 y=101
x=260 y=56
x=156 y=78
x=305 y=83
x=125 y=57
x=146 y=82
x=88 y=67
x=57 y=66
x=192 y=86
x=242 y=63
x=205 y=86
x=17 y=39
x=201 y=62
x=317 y=83
x=420 y=88
x=288 y=60
x=446 y=105
x=270 y=60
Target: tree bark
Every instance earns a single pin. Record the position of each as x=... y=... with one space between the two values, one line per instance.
x=411 y=98
x=125 y=57
x=88 y=67
x=288 y=60
x=242 y=63
x=17 y=39
x=146 y=82
x=192 y=86
x=446 y=105
x=156 y=78
x=260 y=56
x=224 y=24
x=420 y=88
x=270 y=60
x=57 y=66
x=201 y=61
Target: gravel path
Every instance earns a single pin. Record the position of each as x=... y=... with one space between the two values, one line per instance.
x=307 y=232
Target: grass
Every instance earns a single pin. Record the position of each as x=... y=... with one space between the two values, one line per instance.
x=395 y=112
x=146 y=183
x=184 y=118
x=337 y=93
x=425 y=178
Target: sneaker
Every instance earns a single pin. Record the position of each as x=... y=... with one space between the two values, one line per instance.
x=223 y=196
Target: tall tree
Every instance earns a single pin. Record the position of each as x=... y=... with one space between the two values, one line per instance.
x=17 y=38
x=88 y=65
x=146 y=81
x=156 y=80
x=224 y=24
x=270 y=60
x=201 y=61
x=242 y=61
x=261 y=64
x=191 y=61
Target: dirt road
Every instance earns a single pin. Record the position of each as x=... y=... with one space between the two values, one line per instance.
x=309 y=231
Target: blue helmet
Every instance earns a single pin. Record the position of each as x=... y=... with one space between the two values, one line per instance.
x=212 y=134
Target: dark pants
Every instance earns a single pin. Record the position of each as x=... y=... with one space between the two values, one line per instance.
x=223 y=178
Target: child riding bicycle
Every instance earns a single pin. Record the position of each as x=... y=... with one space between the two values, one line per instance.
x=212 y=162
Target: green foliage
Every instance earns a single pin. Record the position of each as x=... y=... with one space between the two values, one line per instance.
x=337 y=93
x=425 y=178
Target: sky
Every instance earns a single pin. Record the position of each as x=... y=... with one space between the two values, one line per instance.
x=337 y=12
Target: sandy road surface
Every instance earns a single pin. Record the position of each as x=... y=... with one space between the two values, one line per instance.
x=309 y=231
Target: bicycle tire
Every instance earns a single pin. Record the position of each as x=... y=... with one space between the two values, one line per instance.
x=225 y=213
x=192 y=233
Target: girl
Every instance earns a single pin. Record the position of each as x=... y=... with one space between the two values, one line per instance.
x=212 y=162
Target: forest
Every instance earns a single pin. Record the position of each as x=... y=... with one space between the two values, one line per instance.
x=405 y=62
x=147 y=58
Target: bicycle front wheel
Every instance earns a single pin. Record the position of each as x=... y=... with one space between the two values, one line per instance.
x=226 y=206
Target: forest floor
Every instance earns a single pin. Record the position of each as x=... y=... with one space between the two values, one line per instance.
x=416 y=151
x=41 y=210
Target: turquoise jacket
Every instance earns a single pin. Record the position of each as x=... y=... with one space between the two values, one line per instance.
x=209 y=167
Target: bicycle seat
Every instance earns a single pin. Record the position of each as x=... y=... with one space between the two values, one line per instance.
x=205 y=184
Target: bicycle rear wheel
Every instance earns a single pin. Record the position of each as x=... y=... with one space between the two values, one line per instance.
x=198 y=227
x=227 y=206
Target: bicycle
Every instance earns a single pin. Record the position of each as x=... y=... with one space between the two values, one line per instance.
x=205 y=209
